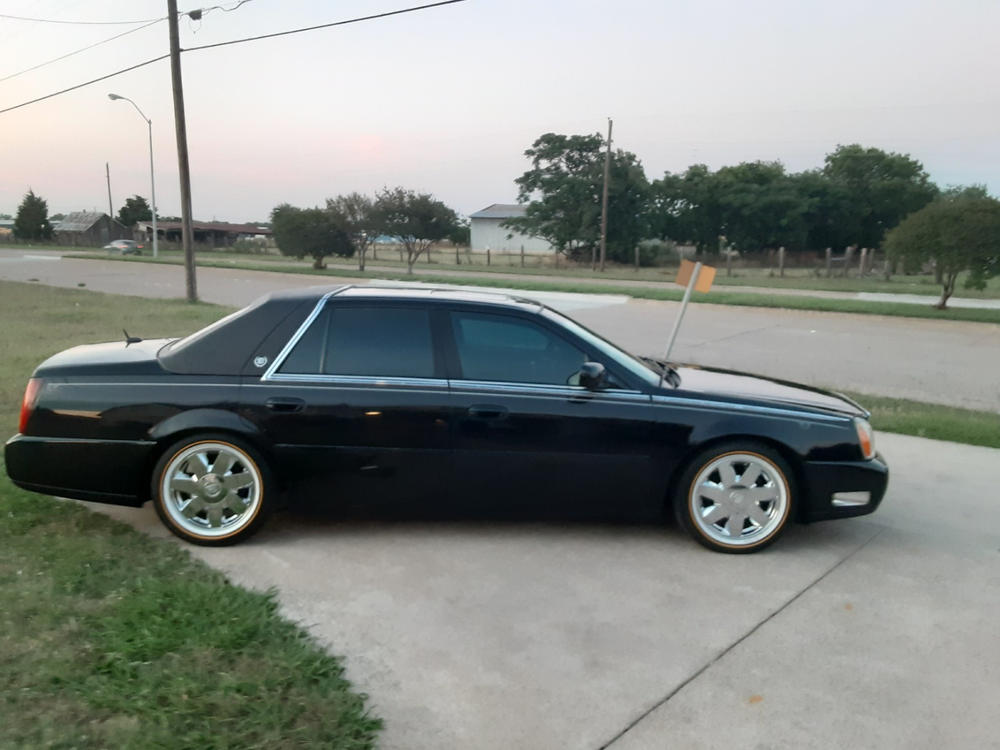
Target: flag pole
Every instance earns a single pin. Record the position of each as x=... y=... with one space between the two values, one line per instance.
x=680 y=315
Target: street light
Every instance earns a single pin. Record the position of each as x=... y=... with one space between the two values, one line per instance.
x=152 y=178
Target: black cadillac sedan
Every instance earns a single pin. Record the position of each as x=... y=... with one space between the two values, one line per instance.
x=438 y=400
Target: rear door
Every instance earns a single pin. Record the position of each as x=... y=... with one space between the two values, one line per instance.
x=528 y=439
x=358 y=408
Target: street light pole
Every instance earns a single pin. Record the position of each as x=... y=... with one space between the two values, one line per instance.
x=152 y=176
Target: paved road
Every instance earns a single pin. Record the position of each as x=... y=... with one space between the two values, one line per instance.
x=938 y=361
x=877 y=632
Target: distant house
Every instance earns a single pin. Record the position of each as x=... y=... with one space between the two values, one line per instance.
x=486 y=232
x=212 y=233
x=6 y=229
x=89 y=229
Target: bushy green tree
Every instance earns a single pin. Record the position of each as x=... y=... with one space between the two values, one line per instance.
x=32 y=220
x=883 y=188
x=415 y=220
x=357 y=213
x=135 y=209
x=957 y=233
x=315 y=232
x=563 y=192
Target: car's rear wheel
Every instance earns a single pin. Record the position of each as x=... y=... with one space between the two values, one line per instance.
x=212 y=490
x=736 y=497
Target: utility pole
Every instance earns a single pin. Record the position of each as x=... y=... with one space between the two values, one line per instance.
x=107 y=174
x=187 y=233
x=604 y=200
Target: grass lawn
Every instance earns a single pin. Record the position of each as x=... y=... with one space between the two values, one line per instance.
x=111 y=639
x=795 y=278
x=586 y=286
x=932 y=420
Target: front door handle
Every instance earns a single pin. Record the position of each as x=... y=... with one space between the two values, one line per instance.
x=487 y=411
x=285 y=405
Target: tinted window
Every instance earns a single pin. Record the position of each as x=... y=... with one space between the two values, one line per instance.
x=507 y=349
x=376 y=341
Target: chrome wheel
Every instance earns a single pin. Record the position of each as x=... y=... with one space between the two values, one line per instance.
x=739 y=499
x=211 y=489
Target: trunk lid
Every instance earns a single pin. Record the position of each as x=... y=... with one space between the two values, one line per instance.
x=112 y=358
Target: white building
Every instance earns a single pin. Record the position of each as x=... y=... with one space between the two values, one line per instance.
x=486 y=232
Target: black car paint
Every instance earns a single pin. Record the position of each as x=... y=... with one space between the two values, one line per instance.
x=106 y=412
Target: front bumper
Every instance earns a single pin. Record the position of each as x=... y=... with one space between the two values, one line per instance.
x=837 y=489
x=106 y=471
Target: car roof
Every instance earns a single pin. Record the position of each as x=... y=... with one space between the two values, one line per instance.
x=410 y=293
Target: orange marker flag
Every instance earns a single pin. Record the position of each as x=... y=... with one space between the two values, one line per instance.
x=706 y=275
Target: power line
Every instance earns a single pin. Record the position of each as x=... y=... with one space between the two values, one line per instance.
x=85 y=83
x=325 y=25
x=81 y=23
x=82 y=49
x=233 y=41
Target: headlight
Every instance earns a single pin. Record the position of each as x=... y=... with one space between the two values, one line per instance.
x=866 y=437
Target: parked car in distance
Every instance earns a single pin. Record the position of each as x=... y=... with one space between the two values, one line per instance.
x=124 y=247
x=442 y=401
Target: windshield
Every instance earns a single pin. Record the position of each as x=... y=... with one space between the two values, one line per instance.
x=645 y=369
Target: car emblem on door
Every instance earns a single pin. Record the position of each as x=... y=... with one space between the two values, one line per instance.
x=259 y=361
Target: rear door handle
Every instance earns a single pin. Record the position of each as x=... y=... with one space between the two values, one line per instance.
x=487 y=411
x=285 y=405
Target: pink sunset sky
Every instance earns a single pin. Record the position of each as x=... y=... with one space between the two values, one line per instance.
x=447 y=100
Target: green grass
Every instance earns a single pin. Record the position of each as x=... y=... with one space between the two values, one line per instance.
x=932 y=420
x=111 y=639
x=666 y=292
x=794 y=278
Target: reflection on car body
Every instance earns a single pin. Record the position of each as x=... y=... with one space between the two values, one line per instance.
x=446 y=401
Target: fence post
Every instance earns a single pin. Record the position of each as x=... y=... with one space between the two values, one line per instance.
x=864 y=259
x=374 y=251
x=458 y=261
x=522 y=256
x=848 y=255
x=829 y=261
x=487 y=256
x=729 y=262
x=781 y=261
x=636 y=257
x=400 y=254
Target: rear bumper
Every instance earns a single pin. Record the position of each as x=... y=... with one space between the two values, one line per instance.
x=106 y=471
x=843 y=489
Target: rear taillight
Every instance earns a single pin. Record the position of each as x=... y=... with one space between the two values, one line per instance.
x=29 y=403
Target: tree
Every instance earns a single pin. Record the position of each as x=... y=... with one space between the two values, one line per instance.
x=687 y=208
x=958 y=233
x=563 y=192
x=32 y=220
x=135 y=209
x=416 y=220
x=315 y=232
x=461 y=234
x=761 y=207
x=357 y=212
x=883 y=188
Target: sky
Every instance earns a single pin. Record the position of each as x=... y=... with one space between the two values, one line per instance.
x=447 y=100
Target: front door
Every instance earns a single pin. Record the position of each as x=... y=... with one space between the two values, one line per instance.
x=358 y=409
x=528 y=439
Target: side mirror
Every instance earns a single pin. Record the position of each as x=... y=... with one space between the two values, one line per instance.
x=593 y=376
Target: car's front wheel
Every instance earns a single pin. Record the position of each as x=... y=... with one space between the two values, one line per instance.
x=212 y=490
x=736 y=497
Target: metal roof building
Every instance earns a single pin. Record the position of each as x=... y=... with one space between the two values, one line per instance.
x=486 y=231
x=89 y=228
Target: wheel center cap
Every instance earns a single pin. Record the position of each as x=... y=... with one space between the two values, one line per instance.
x=736 y=497
x=211 y=485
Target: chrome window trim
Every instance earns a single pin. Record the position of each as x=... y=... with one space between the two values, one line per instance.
x=776 y=411
x=546 y=389
x=287 y=348
x=358 y=380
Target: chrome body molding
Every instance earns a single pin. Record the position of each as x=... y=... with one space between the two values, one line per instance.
x=287 y=348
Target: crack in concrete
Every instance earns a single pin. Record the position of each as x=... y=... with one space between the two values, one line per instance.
x=663 y=701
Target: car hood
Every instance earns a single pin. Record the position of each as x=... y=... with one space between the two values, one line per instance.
x=112 y=358
x=743 y=386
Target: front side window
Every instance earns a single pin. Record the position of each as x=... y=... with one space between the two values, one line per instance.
x=506 y=349
x=365 y=341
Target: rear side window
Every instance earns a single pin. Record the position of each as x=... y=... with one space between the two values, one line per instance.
x=365 y=341
x=506 y=349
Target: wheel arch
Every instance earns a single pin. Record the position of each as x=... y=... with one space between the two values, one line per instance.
x=788 y=453
x=199 y=422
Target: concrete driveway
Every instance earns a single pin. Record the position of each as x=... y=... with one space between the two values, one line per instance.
x=945 y=362
x=877 y=632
